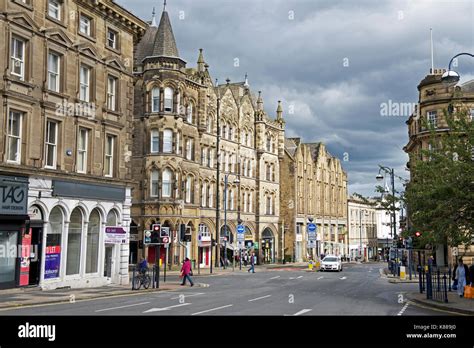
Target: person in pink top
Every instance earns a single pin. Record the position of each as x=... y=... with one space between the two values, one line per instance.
x=186 y=272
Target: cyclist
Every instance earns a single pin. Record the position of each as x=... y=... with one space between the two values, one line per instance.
x=143 y=266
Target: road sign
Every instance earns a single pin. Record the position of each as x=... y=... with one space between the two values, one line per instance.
x=312 y=227
x=166 y=240
x=311 y=244
x=240 y=237
x=240 y=229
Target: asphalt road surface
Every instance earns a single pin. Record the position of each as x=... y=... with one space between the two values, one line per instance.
x=358 y=290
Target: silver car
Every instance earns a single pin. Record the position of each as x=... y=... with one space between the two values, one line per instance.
x=331 y=263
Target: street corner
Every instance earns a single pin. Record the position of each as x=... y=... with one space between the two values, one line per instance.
x=455 y=305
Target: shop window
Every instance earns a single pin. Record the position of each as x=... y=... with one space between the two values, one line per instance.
x=74 y=243
x=93 y=232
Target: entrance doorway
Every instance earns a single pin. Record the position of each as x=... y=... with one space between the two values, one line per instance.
x=268 y=242
x=109 y=251
x=36 y=248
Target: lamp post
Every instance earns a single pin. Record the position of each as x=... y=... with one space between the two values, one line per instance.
x=451 y=76
x=217 y=178
x=393 y=219
x=360 y=230
x=226 y=182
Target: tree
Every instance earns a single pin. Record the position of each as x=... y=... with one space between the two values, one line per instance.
x=440 y=195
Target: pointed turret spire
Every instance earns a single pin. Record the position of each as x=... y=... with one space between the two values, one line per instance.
x=165 y=43
x=153 y=19
x=260 y=101
x=246 y=83
x=279 y=111
x=201 y=63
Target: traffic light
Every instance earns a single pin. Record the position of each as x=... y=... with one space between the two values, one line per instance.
x=418 y=233
x=155 y=233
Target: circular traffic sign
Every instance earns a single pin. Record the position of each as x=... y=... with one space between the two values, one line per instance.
x=165 y=239
x=240 y=229
x=311 y=227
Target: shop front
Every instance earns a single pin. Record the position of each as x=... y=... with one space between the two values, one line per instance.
x=15 y=258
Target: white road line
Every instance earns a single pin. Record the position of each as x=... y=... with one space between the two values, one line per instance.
x=212 y=309
x=111 y=309
x=320 y=278
x=165 y=308
x=303 y=311
x=343 y=278
x=291 y=278
x=275 y=277
x=299 y=277
x=184 y=295
x=259 y=298
x=403 y=309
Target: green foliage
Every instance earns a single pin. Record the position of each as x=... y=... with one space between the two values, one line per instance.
x=440 y=195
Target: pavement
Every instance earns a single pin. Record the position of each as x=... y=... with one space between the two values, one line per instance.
x=455 y=303
x=358 y=290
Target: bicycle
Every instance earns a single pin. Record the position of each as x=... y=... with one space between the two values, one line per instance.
x=142 y=278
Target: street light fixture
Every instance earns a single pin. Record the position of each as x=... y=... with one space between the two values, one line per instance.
x=452 y=77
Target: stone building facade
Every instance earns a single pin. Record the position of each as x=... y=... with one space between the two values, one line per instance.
x=363 y=240
x=175 y=156
x=436 y=98
x=313 y=186
x=66 y=96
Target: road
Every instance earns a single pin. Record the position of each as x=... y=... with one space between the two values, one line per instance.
x=358 y=290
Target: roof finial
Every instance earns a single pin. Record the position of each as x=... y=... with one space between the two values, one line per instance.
x=164 y=6
x=153 y=20
x=246 y=83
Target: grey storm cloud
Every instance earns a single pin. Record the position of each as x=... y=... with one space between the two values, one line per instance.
x=332 y=63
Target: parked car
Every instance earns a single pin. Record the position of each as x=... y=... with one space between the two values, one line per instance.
x=331 y=263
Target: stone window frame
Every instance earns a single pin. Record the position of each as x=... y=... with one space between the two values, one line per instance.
x=92 y=35
x=115 y=154
x=26 y=37
x=117 y=32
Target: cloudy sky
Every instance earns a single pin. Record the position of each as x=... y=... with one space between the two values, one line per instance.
x=332 y=63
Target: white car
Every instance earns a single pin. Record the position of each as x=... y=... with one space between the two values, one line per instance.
x=331 y=263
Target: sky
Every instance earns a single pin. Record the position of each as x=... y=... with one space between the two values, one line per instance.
x=335 y=65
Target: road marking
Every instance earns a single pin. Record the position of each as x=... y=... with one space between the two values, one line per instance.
x=165 y=308
x=291 y=278
x=299 y=277
x=275 y=277
x=184 y=295
x=111 y=309
x=303 y=311
x=320 y=278
x=403 y=309
x=212 y=309
x=259 y=298
x=343 y=278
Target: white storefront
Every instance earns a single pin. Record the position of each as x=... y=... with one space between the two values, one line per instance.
x=69 y=220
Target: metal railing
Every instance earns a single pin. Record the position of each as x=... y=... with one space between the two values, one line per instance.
x=435 y=281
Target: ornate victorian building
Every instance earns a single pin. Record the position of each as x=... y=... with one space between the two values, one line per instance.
x=313 y=186
x=175 y=156
x=66 y=142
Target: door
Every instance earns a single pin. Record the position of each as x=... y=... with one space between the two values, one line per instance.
x=35 y=261
x=108 y=261
x=8 y=264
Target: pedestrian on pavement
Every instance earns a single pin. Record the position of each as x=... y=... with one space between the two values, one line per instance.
x=462 y=274
x=252 y=263
x=471 y=274
x=186 y=272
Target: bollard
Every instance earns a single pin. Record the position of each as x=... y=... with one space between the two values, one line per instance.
x=439 y=285
x=153 y=278
x=133 y=277
x=449 y=278
x=445 y=290
x=420 y=281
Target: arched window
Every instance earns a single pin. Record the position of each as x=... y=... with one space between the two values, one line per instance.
x=269 y=143
x=189 y=112
x=211 y=195
x=231 y=198
x=250 y=168
x=168 y=141
x=93 y=233
x=154 y=183
x=231 y=133
x=189 y=189
x=112 y=218
x=74 y=238
x=245 y=202
x=155 y=100
x=224 y=130
x=155 y=141
x=204 y=194
x=167 y=181
x=169 y=99
x=53 y=239
x=250 y=202
x=178 y=102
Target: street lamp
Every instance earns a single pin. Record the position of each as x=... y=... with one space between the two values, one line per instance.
x=218 y=178
x=451 y=76
x=360 y=229
x=226 y=181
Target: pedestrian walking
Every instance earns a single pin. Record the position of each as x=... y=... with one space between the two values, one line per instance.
x=462 y=274
x=471 y=274
x=186 y=272
x=252 y=263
